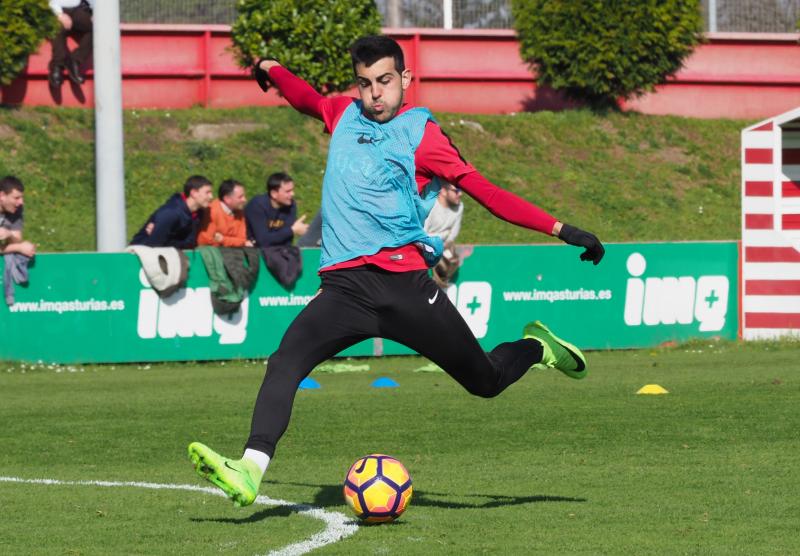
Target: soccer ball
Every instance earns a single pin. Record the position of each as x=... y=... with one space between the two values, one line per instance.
x=377 y=488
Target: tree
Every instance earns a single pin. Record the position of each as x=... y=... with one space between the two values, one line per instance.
x=309 y=37
x=600 y=51
x=25 y=24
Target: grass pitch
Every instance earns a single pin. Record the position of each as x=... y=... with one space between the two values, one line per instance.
x=552 y=466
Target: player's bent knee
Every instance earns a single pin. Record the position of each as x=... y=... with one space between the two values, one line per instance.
x=484 y=389
x=286 y=367
x=278 y=363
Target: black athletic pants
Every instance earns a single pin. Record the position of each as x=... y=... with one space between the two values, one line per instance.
x=367 y=302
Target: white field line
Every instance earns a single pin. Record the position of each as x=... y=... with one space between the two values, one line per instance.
x=337 y=526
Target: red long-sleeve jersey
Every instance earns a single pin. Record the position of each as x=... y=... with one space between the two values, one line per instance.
x=435 y=156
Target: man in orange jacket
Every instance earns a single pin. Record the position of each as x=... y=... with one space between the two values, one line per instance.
x=223 y=224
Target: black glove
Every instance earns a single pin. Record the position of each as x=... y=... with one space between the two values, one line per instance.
x=262 y=77
x=575 y=236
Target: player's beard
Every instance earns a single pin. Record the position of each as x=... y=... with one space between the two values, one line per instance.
x=387 y=113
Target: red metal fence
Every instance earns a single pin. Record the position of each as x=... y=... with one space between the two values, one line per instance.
x=474 y=71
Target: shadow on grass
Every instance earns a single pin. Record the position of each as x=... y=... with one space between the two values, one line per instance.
x=331 y=495
x=276 y=511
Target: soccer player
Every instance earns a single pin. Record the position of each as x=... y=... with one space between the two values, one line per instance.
x=384 y=161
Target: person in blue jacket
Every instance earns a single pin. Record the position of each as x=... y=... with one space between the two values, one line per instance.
x=272 y=217
x=176 y=222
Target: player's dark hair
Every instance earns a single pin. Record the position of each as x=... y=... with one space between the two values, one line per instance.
x=275 y=180
x=11 y=183
x=226 y=188
x=370 y=49
x=195 y=182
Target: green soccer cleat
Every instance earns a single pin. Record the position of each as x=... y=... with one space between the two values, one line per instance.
x=557 y=353
x=238 y=478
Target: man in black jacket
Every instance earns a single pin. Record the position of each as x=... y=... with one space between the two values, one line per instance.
x=272 y=217
x=176 y=222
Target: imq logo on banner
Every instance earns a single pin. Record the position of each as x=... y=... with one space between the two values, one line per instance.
x=187 y=313
x=654 y=300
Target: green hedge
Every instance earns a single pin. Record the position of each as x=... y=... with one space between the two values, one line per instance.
x=310 y=37
x=25 y=24
x=599 y=51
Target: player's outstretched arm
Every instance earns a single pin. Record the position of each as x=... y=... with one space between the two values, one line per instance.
x=437 y=156
x=296 y=91
x=513 y=209
x=594 y=250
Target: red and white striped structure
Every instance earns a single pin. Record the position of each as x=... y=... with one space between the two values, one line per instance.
x=770 y=275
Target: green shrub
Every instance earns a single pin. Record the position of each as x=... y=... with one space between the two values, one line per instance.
x=309 y=37
x=599 y=51
x=25 y=24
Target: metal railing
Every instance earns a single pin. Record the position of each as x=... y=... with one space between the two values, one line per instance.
x=751 y=16
x=448 y=14
x=177 y=11
x=747 y=16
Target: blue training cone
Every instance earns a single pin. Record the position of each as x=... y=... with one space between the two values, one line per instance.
x=384 y=382
x=309 y=384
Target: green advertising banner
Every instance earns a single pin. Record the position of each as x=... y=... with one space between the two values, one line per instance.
x=639 y=295
x=89 y=307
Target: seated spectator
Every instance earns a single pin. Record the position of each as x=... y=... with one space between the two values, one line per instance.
x=176 y=222
x=223 y=223
x=11 y=201
x=272 y=217
x=75 y=19
x=444 y=221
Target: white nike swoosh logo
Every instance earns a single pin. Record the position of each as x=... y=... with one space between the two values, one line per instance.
x=432 y=299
